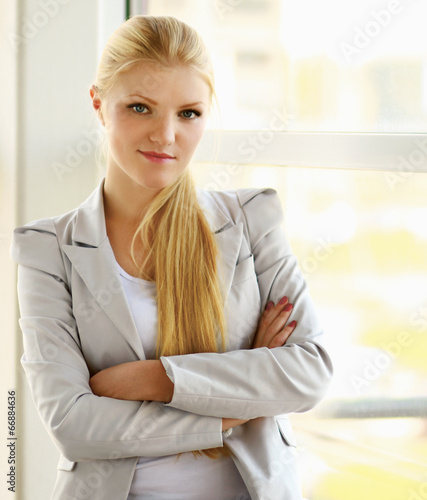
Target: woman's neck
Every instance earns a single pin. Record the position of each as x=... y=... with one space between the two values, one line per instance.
x=125 y=201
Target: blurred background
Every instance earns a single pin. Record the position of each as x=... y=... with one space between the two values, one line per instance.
x=327 y=103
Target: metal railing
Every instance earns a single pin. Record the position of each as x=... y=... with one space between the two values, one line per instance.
x=374 y=408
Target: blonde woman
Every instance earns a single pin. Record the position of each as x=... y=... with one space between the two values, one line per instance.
x=167 y=330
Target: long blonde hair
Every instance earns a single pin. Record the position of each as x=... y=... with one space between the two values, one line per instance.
x=181 y=252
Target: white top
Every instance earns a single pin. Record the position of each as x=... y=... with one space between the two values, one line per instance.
x=174 y=477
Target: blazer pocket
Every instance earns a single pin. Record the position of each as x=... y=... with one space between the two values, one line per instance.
x=244 y=270
x=65 y=464
x=286 y=431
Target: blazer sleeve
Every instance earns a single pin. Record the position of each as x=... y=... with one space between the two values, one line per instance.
x=260 y=382
x=84 y=426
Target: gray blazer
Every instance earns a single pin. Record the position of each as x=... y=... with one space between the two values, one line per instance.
x=75 y=321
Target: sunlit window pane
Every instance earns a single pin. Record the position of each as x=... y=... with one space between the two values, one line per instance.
x=323 y=66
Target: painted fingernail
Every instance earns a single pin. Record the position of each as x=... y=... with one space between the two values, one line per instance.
x=283 y=300
x=288 y=307
x=269 y=306
x=292 y=324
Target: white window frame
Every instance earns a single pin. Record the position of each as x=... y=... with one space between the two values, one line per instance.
x=399 y=153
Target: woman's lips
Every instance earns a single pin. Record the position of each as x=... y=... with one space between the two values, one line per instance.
x=157 y=157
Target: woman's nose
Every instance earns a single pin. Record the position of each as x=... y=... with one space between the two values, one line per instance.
x=163 y=131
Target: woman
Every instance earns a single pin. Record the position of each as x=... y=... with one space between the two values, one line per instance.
x=155 y=315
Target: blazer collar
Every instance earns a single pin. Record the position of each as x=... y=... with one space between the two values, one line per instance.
x=90 y=226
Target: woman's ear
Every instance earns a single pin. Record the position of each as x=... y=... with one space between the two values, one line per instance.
x=96 y=102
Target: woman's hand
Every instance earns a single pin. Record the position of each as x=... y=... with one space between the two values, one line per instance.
x=273 y=330
x=135 y=381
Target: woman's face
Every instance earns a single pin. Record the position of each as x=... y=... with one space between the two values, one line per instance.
x=154 y=119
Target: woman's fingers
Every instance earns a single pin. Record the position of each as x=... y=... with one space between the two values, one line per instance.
x=280 y=339
x=271 y=312
x=272 y=323
x=276 y=321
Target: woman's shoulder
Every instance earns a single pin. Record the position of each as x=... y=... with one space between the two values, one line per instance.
x=42 y=238
x=251 y=202
x=48 y=226
x=239 y=197
x=37 y=242
x=259 y=210
x=88 y=213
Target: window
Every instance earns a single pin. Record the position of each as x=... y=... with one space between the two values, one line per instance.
x=327 y=103
x=330 y=66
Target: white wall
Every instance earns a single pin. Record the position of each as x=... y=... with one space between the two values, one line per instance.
x=8 y=161
x=49 y=53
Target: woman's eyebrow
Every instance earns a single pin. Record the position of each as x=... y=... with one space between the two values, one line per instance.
x=139 y=96
x=152 y=101
x=192 y=104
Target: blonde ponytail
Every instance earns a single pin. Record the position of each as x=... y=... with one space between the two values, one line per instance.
x=182 y=257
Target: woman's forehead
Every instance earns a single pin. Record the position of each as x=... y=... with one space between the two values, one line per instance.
x=151 y=80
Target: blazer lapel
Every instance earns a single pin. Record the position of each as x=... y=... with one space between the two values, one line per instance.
x=98 y=269
x=92 y=257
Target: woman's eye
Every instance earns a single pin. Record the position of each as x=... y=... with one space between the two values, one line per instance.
x=190 y=114
x=139 y=108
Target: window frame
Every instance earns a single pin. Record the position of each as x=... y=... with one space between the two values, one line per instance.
x=402 y=154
